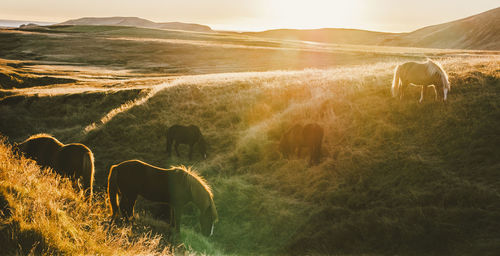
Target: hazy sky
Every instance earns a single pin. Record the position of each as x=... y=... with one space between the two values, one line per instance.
x=255 y=15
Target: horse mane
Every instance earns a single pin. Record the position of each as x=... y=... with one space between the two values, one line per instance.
x=191 y=173
x=43 y=135
x=434 y=67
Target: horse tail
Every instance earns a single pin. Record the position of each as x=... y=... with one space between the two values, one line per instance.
x=396 y=81
x=113 y=191
x=88 y=172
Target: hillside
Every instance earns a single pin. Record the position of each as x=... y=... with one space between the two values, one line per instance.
x=120 y=53
x=13 y=77
x=395 y=177
x=136 y=51
x=42 y=214
x=481 y=32
x=137 y=22
x=327 y=35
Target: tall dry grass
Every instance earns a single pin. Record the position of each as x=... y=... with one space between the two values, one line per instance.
x=41 y=213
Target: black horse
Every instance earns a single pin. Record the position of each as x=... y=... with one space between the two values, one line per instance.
x=185 y=135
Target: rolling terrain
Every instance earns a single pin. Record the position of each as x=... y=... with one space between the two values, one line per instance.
x=480 y=32
x=395 y=177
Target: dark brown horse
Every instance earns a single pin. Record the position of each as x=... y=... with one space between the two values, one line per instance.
x=189 y=135
x=176 y=186
x=309 y=136
x=73 y=160
x=42 y=148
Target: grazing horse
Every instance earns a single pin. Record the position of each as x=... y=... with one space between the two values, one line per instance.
x=185 y=135
x=73 y=160
x=429 y=73
x=309 y=136
x=176 y=186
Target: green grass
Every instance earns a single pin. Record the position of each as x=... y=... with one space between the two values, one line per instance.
x=396 y=177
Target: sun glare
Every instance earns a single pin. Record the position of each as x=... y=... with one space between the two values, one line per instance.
x=314 y=13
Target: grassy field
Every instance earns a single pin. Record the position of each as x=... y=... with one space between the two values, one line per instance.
x=395 y=177
x=164 y=52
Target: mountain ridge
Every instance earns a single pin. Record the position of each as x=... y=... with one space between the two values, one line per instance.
x=137 y=22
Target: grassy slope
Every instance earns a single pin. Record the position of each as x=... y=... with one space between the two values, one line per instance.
x=10 y=77
x=40 y=213
x=396 y=177
x=22 y=115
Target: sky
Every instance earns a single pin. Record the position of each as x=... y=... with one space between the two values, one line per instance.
x=258 y=15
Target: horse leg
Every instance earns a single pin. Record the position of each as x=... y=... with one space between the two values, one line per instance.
x=170 y=213
x=402 y=89
x=177 y=149
x=190 y=151
x=423 y=92
x=440 y=93
x=122 y=204
x=169 y=147
x=312 y=155
x=127 y=205
x=177 y=219
x=317 y=153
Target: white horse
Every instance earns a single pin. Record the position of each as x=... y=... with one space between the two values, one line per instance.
x=429 y=73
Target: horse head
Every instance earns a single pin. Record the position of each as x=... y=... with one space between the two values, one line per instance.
x=203 y=147
x=202 y=197
x=208 y=218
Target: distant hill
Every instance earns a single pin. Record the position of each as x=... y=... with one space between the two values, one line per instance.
x=481 y=31
x=17 y=23
x=327 y=35
x=137 y=22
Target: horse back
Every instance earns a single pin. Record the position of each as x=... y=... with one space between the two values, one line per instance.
x=177 y=132
x=312 y=134
x=71 y=159
x=41 y=149
x=184 y=134
x=135 y=177
x=418 y=74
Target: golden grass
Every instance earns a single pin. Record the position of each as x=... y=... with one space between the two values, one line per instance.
x=40 y=202
x=390 y=181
